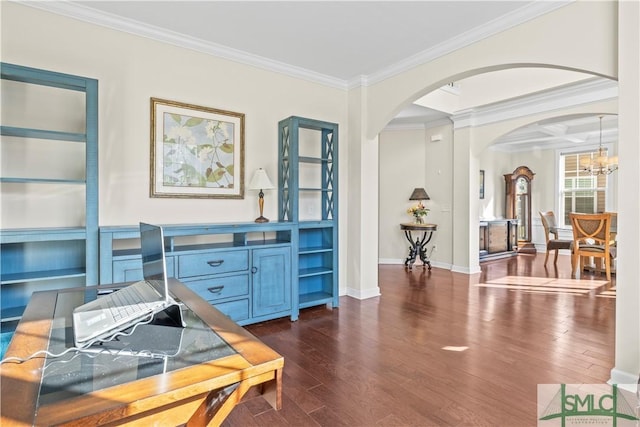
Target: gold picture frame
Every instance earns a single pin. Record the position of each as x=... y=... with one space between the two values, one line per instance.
x=196 y=151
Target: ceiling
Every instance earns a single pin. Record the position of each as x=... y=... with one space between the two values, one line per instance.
x=340 y=40
x=337 y=43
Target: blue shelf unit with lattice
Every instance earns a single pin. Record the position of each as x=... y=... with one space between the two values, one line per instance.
x=308 y=196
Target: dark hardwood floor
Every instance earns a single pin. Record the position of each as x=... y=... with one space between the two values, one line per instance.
x=384 y=361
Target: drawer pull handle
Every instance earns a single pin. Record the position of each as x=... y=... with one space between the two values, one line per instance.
x=216 y=263
x=254 y=270
x=216 y=289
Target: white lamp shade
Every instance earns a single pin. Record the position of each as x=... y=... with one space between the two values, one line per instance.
x=260 y=181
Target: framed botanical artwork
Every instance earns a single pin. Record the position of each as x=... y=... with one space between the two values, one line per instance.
x=481 y=184
x=196 y=152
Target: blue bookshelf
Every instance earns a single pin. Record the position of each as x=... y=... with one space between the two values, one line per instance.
x=308 y=184
x=38 y=258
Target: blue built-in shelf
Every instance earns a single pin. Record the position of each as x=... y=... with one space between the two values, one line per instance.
x=314 y=250
x=42 y=181
x=311 y=299
x=39 y=259
x=23 y=235
x=42 y=134
x=44 y=258
x=314 y=271
x=35 y=276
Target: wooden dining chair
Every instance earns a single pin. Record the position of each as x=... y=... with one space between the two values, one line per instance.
x=553 y=243
x=592 y=238
x=614 y=226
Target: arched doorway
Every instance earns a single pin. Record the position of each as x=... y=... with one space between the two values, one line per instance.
x=557 y=39
x=428 y=154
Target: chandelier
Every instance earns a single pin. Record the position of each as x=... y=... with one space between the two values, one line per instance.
x=599 y=164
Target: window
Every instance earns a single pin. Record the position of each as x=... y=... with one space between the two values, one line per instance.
x=580 y=192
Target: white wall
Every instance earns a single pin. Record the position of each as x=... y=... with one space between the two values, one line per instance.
x=409 y=159
x=402 y=168
x=42 y=107
x=493 y=163
x=439 y=169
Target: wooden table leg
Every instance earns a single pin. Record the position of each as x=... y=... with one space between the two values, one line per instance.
x=217 y=405
x=220 y=402
x=272 y=391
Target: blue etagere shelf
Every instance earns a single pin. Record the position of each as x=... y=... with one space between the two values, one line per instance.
x=316 y=240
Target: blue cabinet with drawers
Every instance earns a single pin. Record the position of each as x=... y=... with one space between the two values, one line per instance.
x=243 y=269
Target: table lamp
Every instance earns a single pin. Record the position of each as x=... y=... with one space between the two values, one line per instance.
x=419 y=194
x=260 y=181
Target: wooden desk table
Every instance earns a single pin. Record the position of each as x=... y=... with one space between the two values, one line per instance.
x=217 y=362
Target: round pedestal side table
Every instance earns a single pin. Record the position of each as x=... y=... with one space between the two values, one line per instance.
x=418 y=247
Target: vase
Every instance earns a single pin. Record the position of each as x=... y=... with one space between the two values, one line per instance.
x=419 y=219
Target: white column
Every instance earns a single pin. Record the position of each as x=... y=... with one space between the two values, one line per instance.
x=465 y=198
x=361 y=258
x=627 y=351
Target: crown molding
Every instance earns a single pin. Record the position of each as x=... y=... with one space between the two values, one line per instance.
x=87 y=14
x=357 y=82
x=496 y=26
x=114 y=22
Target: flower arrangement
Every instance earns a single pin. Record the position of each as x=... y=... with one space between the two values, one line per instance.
x=418 y=211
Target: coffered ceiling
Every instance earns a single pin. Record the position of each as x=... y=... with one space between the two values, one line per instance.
x=566 y=132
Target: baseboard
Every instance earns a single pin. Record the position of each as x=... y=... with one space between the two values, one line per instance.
x=624 y=380
x=390 y=261
x=359 y=294
x=443 y=265
x=466 y=270
x=526 y=248
x=498 y=255
x=436 y=264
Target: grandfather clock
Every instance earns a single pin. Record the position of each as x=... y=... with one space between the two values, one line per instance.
x=518 y=204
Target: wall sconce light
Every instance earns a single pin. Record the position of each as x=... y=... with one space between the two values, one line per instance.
x=260 y=181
